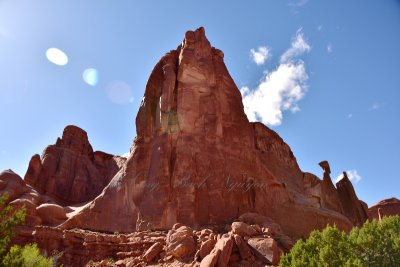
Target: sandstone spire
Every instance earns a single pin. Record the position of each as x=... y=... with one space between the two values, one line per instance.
x=197 y=160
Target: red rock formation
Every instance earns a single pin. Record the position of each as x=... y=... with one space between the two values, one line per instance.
x=197 y=160
x=69 y=171
x=353 y=208
x=388 y=207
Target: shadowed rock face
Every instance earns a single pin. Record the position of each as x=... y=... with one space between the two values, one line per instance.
x=69 y=171
x=353 y=208
x=197 y=160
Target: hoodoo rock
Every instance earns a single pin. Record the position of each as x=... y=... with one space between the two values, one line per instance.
x=197 y=160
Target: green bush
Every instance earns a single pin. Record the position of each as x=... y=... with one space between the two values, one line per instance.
x=374 y=244
x=27 y=256
x=9 y=218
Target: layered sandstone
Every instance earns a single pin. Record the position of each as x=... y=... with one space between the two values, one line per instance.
x=197 y=159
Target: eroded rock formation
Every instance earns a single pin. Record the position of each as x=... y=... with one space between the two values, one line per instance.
x=196 y=165
x=197 y=159
x=69 y=171
x=386 y=207
x=353 y=208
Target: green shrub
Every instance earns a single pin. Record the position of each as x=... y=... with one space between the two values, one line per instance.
x=9 y=218
x=374 y=244
x=27 y=256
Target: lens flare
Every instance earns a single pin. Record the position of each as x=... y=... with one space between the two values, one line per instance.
x=119 y=92
x=91 y=76
x=56 y=56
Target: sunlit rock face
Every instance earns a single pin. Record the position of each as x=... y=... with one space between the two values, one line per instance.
x=386 y=207
x=69 y=171
x=197 y=160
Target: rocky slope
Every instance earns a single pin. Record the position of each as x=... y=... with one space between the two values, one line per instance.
x=196 y=163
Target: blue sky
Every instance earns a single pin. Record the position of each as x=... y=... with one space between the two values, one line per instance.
x=324 y=74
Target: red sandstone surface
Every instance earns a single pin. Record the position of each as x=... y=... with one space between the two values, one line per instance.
x=386 y=207
x=202 y=186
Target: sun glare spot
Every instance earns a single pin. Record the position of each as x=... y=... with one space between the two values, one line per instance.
x=91 y=76
x=119 y=92
x=56 y=56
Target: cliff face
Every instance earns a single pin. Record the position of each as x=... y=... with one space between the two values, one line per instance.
x=69 y=171
x=197 y=159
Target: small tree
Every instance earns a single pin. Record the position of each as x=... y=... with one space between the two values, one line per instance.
x=374 y=244
x=9 y=218
x=27 y=256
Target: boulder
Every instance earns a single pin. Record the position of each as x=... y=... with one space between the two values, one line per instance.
x=211 y=259
x=206 y=248
x=266 y=249
x=152 y=252
x=244 y=249
x=224 y=245
x=243 y=229
x=180 y=242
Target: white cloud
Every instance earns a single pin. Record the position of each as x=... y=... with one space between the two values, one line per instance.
x=352 y=174
x=126 y=154
x=299 y=46
x=280 y=89
x=329 y=48
x=260 y=55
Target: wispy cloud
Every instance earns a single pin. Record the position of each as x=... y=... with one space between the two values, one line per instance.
x=280 y=89
x=320 y=27
x=352 y=174
x=260 y=55
x=299 y=46
x=125 y=155
x=298 y=3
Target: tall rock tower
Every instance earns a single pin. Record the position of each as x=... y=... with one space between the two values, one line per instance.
x=197 y=159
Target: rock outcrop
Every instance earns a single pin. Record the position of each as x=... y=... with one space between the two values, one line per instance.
x=386 y=207
x=353 y=208
x=69 y=171
x=202 y=185
x=197 y=159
